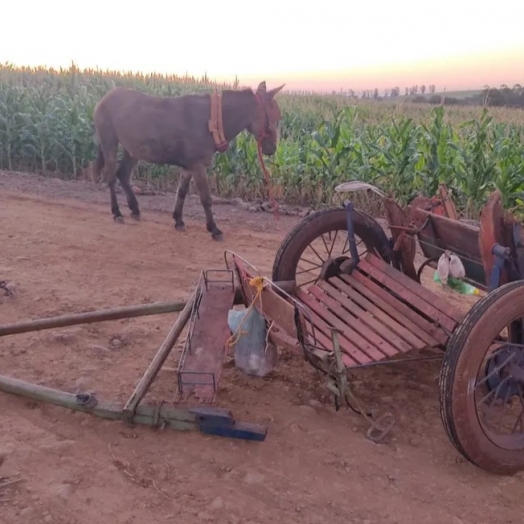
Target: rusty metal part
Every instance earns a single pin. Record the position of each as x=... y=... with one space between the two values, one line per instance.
x=340 y=387
x=492 y=232
x=404 y=244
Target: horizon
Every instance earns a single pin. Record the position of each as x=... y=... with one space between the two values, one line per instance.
x=396 y=46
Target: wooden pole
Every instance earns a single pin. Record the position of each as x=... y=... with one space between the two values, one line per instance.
x=175 y=418
x=211 y=421
x=92 y=316
x=160 y=357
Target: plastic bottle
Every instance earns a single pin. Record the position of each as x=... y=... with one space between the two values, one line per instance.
x=459 y=285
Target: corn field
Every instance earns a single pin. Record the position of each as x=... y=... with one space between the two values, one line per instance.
x=403 y=148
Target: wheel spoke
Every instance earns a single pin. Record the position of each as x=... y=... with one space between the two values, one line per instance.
x=302 y=271
x=333 y=243
x=315 y=251
x=325 y=245
x=519 y=418
x=309 y=282
x=314 y=264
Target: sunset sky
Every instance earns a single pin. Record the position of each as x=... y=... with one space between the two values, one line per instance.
x=331 y=45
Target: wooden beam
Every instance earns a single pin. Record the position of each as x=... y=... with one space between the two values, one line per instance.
x=212 y=421
x=160 y=357
x=92 y=316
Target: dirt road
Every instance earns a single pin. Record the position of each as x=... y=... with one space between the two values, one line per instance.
x=61 y=248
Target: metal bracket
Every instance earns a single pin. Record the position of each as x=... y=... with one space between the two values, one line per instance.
x=219 y=422
x=351 y=232
x=519 y=247
x=341 y=389
x=501 y=254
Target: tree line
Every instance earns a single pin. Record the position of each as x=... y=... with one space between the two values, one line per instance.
x=503 y=96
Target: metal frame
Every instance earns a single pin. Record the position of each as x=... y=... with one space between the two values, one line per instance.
x=208 y=420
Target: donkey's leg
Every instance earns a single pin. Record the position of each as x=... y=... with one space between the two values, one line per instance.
x=183 y=188
x=200 y=178
x=110 y=176
x=123 y=174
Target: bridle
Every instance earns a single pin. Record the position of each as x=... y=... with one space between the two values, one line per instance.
x=265 y=131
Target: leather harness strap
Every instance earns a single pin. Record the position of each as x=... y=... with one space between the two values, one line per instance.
x=216 y=124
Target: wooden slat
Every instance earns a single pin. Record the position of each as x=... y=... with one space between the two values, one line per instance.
x=412 y=297
x=429 y=333
x=322 y=338
x=380 y=347
x=277 y=309
x=377 y=325
x=455 y=235
x=353 y=356
x=425 y=294
x=351 y=342
x=376 y=311
x=325 y=343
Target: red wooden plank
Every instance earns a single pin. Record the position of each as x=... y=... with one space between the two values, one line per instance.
x=367 y=320
x=350 y=342
x=404 y=315
x=396 y=328
x=208 y=344
x=326 y=343
x=381 y=347
x=409 y=296
x=425 y=294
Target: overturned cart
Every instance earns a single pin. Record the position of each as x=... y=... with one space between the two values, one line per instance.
x=346 y=309
x=343 y=309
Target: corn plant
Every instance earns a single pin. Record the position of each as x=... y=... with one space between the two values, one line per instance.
x=405 y=149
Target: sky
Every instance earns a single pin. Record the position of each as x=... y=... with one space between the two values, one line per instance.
x=332 y=45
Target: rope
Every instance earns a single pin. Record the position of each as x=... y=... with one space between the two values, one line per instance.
x=274 y=203
x=258 y=284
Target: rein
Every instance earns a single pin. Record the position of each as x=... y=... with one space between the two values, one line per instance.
x=216 y=124
x=267 y=176
x=216 y=128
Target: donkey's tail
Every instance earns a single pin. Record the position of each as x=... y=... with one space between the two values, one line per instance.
x=97 y=166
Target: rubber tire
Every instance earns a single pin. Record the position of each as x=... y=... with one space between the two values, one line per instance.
x=461 y=363
x=318 y=223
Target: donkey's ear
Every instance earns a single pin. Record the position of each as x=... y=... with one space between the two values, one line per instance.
x=273 y=92
x=261 y=89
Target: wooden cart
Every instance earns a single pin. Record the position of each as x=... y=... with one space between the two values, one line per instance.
x=344 y=309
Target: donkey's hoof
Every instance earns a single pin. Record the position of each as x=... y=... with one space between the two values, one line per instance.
x=217 y=235
x=136 y=217
x=119 y=220
x=180 y=227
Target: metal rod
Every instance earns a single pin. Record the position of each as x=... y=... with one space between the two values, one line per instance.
x=92 y=316
x=160 y=357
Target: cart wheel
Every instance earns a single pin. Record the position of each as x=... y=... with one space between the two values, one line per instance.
x=482 y=382
x=320 y=239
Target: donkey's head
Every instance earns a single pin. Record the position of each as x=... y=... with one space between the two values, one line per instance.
x=265 y=124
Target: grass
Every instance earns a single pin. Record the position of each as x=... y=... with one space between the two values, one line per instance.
x=401 y=147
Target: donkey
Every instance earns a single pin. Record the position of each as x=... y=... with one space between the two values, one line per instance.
x=185 y=131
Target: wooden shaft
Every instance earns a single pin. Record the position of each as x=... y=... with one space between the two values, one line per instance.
x=92 y=316
x=160 y=357
x=174 y=417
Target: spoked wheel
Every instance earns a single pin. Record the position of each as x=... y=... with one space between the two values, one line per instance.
x=482 y=382
x=320 y=241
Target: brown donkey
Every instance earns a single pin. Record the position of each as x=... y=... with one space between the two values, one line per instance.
x=185 y=131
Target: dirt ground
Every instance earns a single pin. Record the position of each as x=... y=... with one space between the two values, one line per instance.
x=64 y=254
